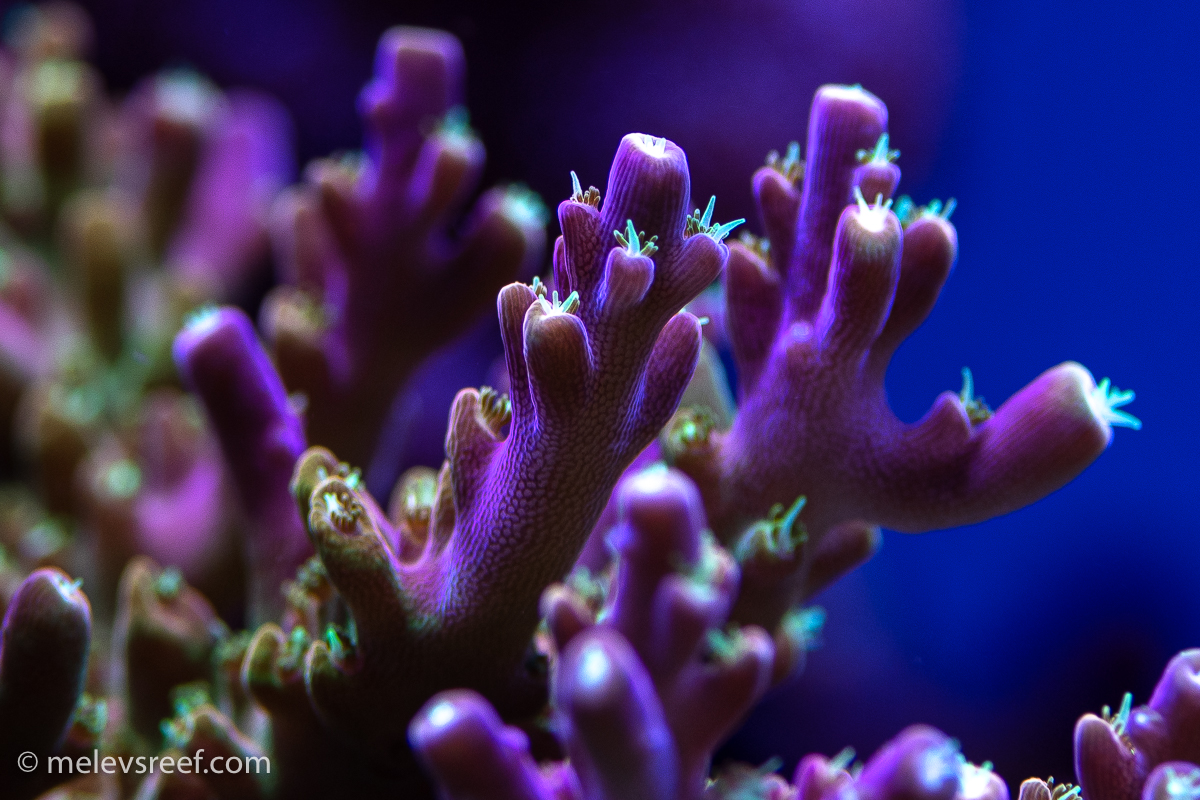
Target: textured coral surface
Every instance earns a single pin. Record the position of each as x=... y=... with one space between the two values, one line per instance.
x=247 y=601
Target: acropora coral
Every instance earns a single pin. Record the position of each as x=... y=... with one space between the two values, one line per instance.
x=244 y=596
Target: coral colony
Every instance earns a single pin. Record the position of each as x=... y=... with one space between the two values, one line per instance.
x=448 y=643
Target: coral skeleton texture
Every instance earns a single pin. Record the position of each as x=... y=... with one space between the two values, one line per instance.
x=450 y=640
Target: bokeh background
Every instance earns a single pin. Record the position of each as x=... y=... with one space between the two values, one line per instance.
x=1065 y=131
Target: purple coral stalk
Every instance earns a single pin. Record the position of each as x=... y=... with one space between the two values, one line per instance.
x=596 y=368
x=221 y=360
x=43 y=663
x=813 y=327
x=377 y=282
x=643 y=696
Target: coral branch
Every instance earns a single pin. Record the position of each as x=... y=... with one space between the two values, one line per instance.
x=377 y=281
x=43 y=662
x=813 y=327
x=260 y=434
x=593 y=377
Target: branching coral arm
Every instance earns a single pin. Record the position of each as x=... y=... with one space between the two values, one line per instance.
x=596 y=369
x=220 y=358
x=813 y=328
x=43 y=663
x=642 y=697
x=377 y=281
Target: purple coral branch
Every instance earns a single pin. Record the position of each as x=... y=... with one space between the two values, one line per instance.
x=813 y=327
x=594 y=375
x=222 y=361
x=377 y=281
x=642 y=697
x=43 y=663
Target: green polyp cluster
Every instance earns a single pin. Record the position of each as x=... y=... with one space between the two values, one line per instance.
x=525 y=205
x=973 y=778
x=1185 y=786
x=691 y=429
x=592 y=588
x=843 y=759
x=724 y=646
x=743 y=782
x=343 y=508
x=496 y=410
x=631 y=240
x=294 y=649
x=705 y=572
x=1062 y=791
x=456 y=123
x=339 y=641
x=976 y=407
x=803 y=625
x=777 y=537
x=880 y=155
x=123 y=479
x=169 y=584
x=790 y=165
x=1106 y=400
x=909 y=212
x=185 y=699
x=91 y=714
x=589 y=198
x=699 y=222
x=759 y=245
x=1120 y=720
x=568 y=306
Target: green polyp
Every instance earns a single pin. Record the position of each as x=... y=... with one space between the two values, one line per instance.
x=1105 y=400
x=339 y=642
x=880 y=154
x=1120 y=720
x=775 y=537
x=456 y=122
x=724 y=647
x=91 y=714
x=691 y=429
x=591 y=197
x=789 y=166
x=1185 y=786
x=843 y=759
x=976 y=407
x=707 y=568
x=123 y=479
x=701 y=222
x=168 y=584
x=525 y=205
x=804 y=625
x=631 y=240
